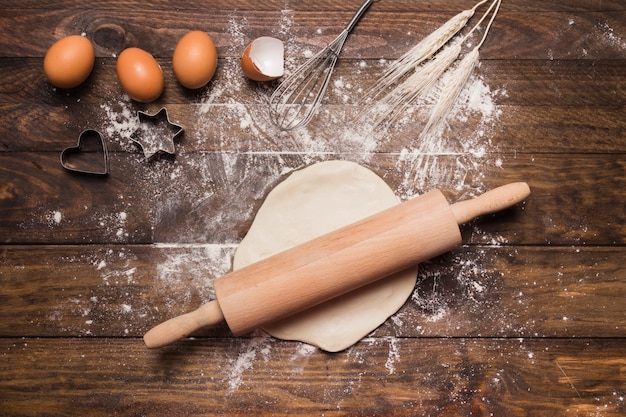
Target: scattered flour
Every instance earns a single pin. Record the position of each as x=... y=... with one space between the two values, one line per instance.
x=304 y=350
x=474 y=154
x=55 y=218
x=299 y=359
x=613 y=39
x=120 y=122
x=254 y=162
x=246 y=357
x=603 y=36
x=394 y=356
x=187 y=272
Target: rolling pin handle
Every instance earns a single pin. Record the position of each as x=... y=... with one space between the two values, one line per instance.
x=170 y=331
x=490 y=202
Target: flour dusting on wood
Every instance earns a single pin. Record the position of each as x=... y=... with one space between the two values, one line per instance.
x=248 y=354
x=233 y=155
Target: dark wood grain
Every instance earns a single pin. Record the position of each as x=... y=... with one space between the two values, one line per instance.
x=435 y=5
x=475 y=291
x=206 y=205
x=399 y=377
x=537 y=34
x=525 y=319
x=581 y=104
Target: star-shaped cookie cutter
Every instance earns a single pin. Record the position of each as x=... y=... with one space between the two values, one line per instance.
x=156 y=133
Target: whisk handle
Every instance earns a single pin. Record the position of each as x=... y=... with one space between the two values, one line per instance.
x=358 y=15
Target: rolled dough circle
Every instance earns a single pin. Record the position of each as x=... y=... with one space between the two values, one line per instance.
x=309 y=203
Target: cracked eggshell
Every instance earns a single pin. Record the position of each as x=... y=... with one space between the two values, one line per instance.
x=264 y=59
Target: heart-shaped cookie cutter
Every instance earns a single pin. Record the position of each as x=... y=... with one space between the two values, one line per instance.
x=89 y=156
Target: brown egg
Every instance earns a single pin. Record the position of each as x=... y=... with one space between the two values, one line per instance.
x=263 y=59
x=69 y=61
x=140 y=75
x=195 y=59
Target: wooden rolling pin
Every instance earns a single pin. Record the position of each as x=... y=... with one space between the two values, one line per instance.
x=336 y=263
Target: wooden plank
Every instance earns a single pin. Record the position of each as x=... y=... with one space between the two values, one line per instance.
x=405 y=5
x=245 y=127
x=212 y=197
x=511 y=82
x=474 y=291
x=395 y=377
x=380 y=34
x=526 y=319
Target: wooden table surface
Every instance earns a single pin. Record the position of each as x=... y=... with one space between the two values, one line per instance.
x=527 y=318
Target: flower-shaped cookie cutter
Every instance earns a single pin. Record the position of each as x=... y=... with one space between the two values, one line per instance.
x=156 y=133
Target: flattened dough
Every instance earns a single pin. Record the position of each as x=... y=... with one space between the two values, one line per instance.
x=311 y=202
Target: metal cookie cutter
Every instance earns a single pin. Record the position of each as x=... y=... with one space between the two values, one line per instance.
x=89 y=156
x=156 y=133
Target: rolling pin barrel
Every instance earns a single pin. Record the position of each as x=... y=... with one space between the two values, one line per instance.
x=337 y=263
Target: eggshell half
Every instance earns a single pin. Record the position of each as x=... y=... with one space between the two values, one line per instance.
x=140 y=75
x=195 y=59
x=264 y=59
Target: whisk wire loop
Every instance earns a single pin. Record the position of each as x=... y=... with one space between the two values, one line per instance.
x=297 y=98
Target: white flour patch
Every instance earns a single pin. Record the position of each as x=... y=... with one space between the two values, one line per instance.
x=54 y=218
x=300 y=357
x=397 y=320
x=120 y=123
x=421 y=166
x=471 y=278
x=394 y=356
x=186 y=273
x=437 y=314
x=245 y=360
x=303 y=350
x=611 y=38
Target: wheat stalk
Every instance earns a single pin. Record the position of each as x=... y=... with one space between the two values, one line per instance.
x=458 y=77
x=418 y=70
x=421 y=52
x=450 y=91
x=417 y=84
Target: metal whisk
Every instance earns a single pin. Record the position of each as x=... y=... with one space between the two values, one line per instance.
x=297 y=98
